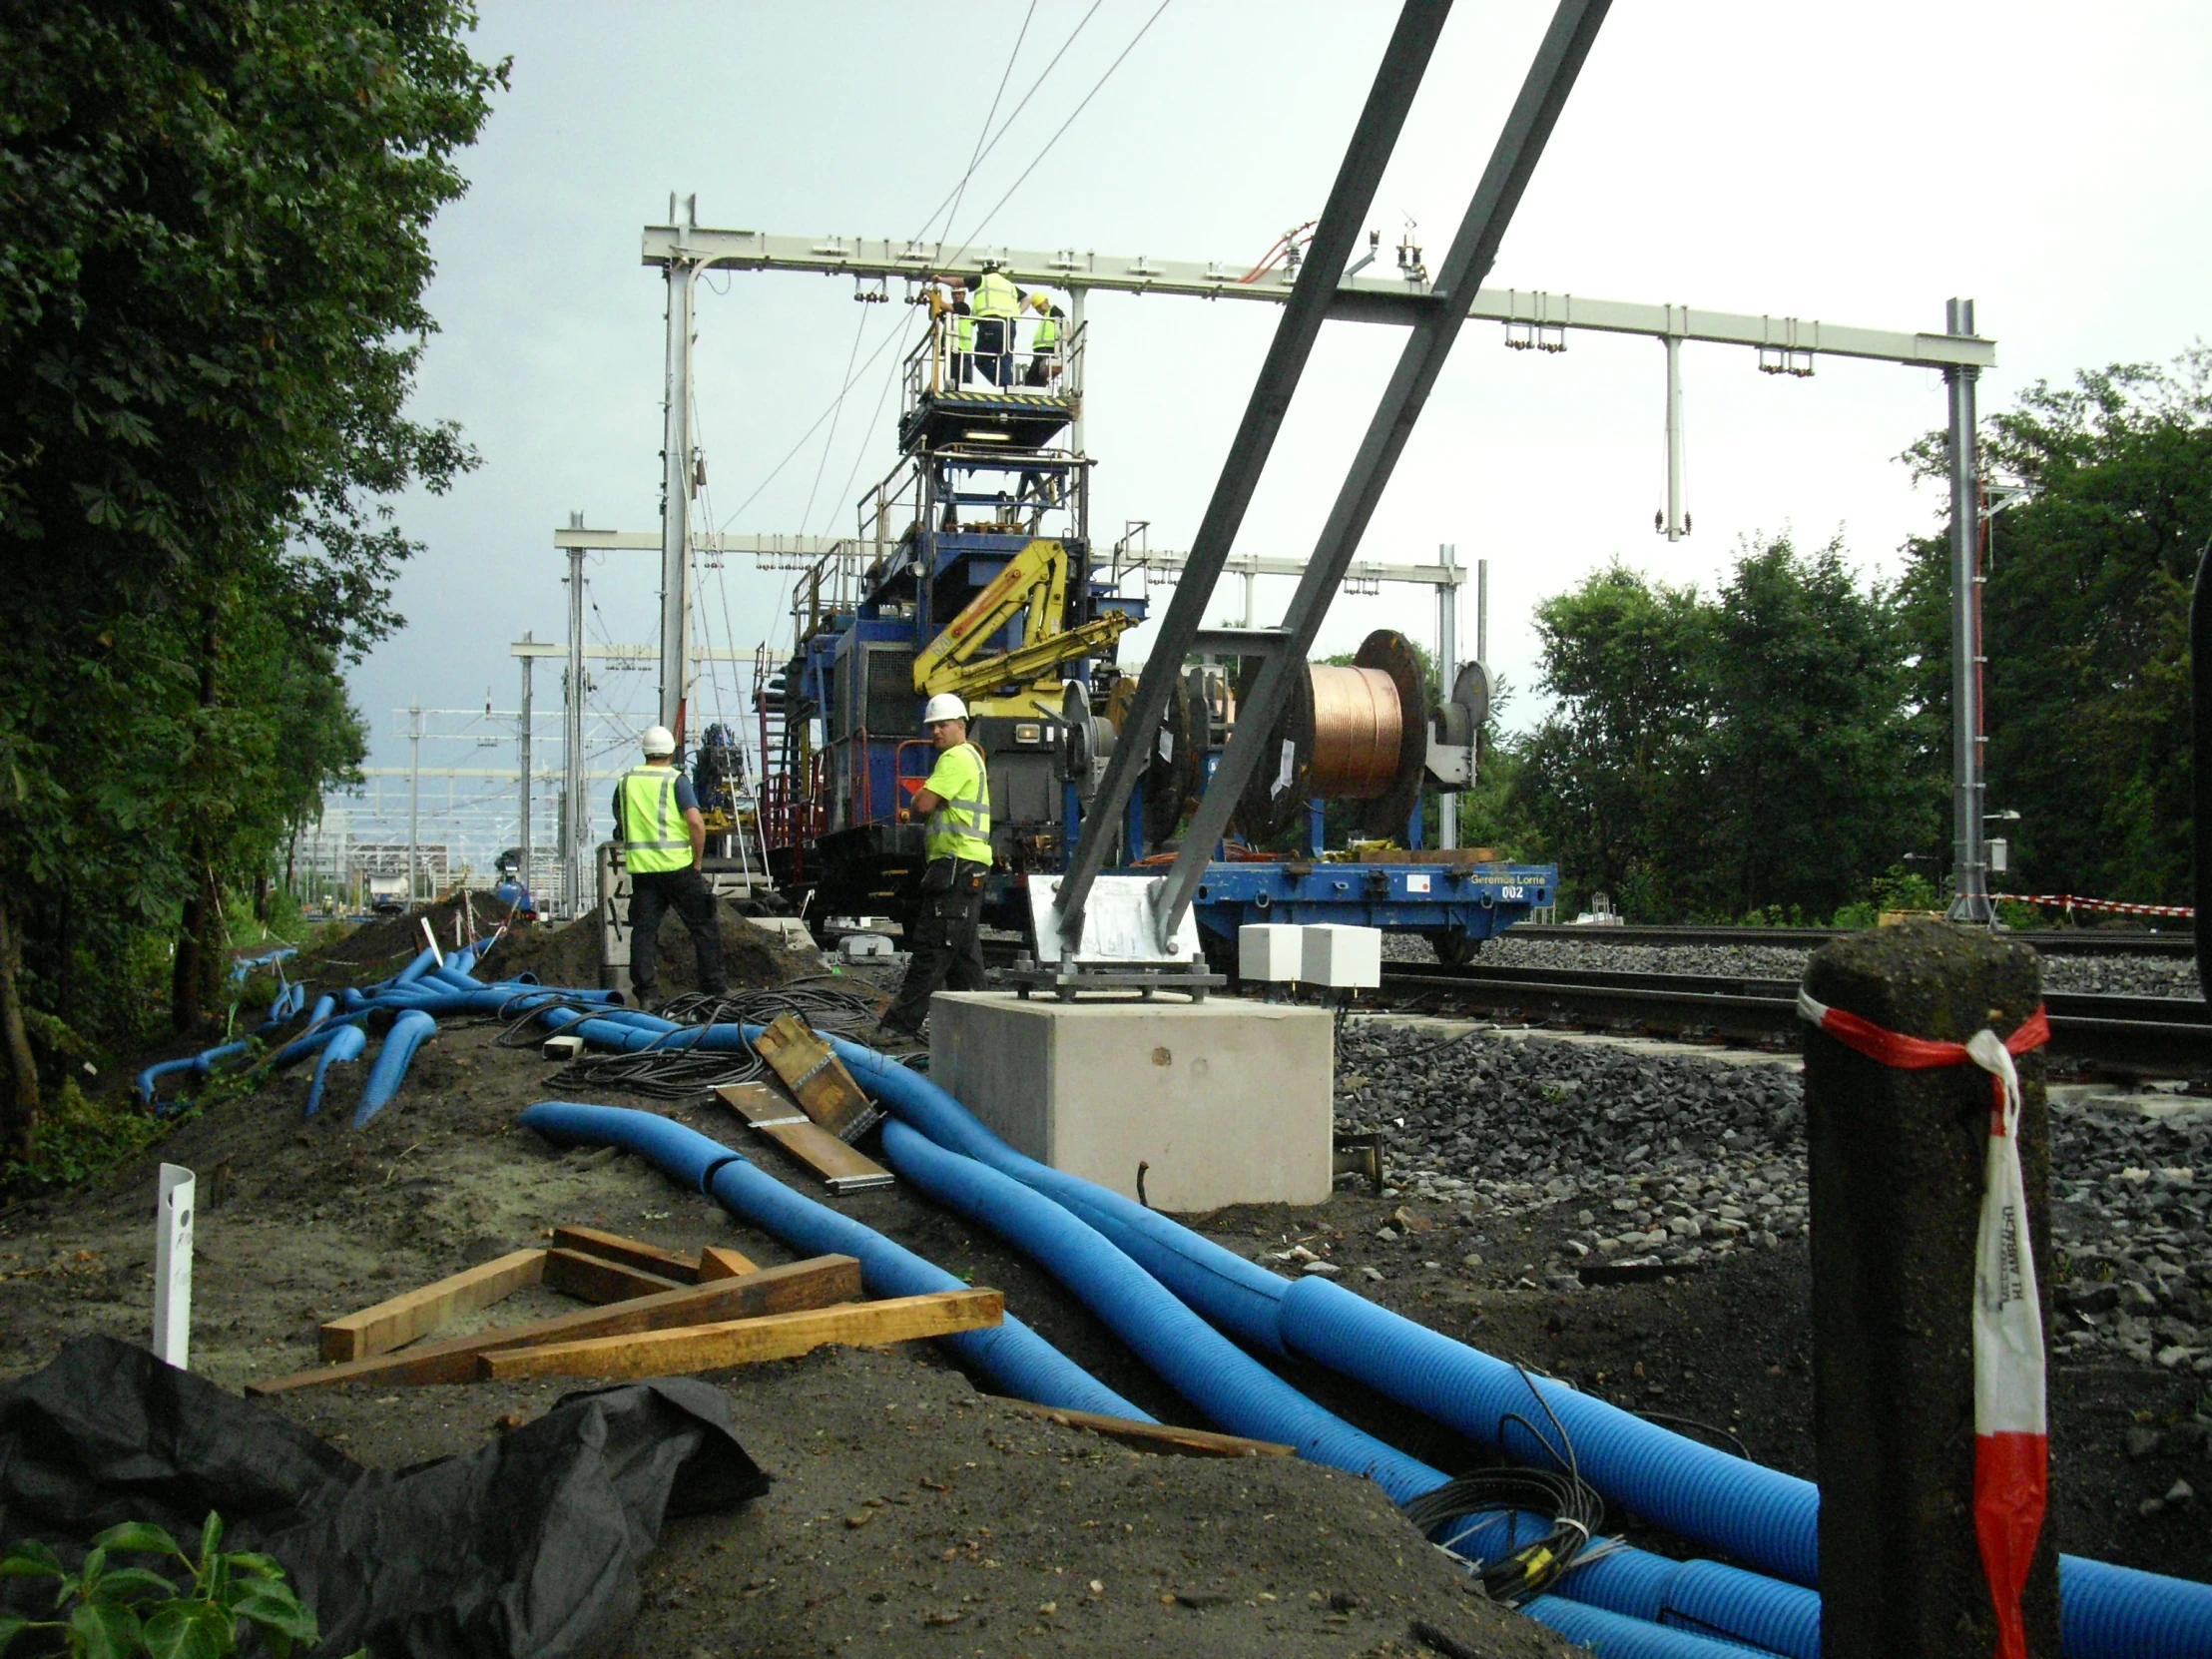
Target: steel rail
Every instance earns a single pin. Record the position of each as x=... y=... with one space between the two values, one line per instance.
x=2051 y=941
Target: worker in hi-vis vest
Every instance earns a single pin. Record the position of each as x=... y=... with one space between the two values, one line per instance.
x=1044 y=344
x=996 y=304
x=664 y=841
x=946 y=933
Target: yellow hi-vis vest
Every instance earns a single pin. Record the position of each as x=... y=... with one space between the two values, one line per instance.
x=654 y=835
x=961 y=826
x=997 y=296
x=1048 y=332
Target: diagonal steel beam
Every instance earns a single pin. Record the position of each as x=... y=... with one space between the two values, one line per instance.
x=1405 y=60
x=1473 y=249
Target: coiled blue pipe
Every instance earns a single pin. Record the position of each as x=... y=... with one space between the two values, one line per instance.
x=317 y=1036
x=1204 y=1366
x=1617 y=1636
x=347 y=1043
x=325 y=1007
x=1011 y=1354
x=405 y=1036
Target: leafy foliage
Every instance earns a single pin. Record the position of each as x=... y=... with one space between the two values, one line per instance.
x=106 y=1611
x=213 y=263
x=2085 y=620
x=1721 y=758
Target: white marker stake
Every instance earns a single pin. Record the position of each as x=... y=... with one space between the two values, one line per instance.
x=173 y=1266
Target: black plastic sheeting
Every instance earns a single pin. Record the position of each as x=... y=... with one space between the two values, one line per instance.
x=528 y=1547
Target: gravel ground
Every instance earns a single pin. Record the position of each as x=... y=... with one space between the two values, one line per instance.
x=1665 y=1160
x=2107 y=975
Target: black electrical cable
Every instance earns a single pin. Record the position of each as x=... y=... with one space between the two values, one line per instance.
x=1525 y=1567
x=1713 y=1428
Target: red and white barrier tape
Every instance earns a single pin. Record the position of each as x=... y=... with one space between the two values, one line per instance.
x=2011 y=1446
x=2067 y=902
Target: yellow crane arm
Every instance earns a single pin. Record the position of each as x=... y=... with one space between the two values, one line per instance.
x=1027 y=662
x=1037 y=577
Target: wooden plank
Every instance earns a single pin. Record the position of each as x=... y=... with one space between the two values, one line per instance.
x=817 y=1283
x=631 y=1253
x=393 y=1323
x=720 y=1261
x=1150 y=1436
x=746 y=1342
x=839 y=1165
x=596 y=1279
x=816 y=1078
x=756 y=1103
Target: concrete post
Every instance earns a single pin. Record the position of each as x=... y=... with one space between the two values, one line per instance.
x=1897 y=1179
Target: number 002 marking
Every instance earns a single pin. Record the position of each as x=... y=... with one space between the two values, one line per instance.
x=1512 y=893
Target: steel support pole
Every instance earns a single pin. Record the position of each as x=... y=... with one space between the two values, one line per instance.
x=1559 y=59
x=1676 y=530
x=523 y=755
x=676 y=492
x=1448 y=669
x=415 y=796
x=1398 y=77
x=1077 y=348
x=1969 y=859
x=575 y=813
x=1482 y=612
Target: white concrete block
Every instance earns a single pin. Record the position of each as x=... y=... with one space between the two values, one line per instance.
x=1271 y=950
x=1223 y=1101
x=1342 y=956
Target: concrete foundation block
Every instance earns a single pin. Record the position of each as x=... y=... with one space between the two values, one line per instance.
x=1223 y=1101
x=1342 y=956
x=1270 y=951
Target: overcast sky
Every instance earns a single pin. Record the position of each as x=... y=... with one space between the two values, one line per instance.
x=1856 y=166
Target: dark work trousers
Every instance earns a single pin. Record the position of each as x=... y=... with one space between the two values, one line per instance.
x=686 y=893
x=994 y=350
x=947 y=939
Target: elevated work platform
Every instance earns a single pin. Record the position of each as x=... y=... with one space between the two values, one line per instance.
x=1221 y=1102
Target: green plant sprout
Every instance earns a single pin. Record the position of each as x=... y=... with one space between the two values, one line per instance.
x=111 y=1612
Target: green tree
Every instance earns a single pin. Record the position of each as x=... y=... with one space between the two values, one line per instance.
x=213 y=260
x=2085 y=617
x=1806 y=760
x=1611 y=780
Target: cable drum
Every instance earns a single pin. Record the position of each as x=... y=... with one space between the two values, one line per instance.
x=1348 y=734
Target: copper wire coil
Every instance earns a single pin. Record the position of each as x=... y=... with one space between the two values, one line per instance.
x=1358 y=725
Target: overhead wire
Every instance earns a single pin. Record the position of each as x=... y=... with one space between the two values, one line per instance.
x=1063 y=126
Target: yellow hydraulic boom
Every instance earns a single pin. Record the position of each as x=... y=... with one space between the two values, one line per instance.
x=1036 y=577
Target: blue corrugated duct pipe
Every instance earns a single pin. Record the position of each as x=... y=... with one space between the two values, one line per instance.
x=1011 y=1354
x=2110 y=1612
x=1190 y=1355
x=347 y=1043
x=408 y=1033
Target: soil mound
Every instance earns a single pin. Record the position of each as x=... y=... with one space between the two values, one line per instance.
x=752 y=957
x=393 y=939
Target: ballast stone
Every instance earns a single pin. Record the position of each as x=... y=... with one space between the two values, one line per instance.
x=1222 y=1101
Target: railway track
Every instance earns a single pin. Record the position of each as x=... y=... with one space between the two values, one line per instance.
x=2127 y=1033
x=2052 y=941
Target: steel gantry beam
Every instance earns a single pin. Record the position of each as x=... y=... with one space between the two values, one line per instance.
x=1354 y=299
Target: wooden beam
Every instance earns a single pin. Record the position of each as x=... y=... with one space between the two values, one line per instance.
x=758 y=1103
x=612 y=1247
x=392 y=1323
x=816 y=1078
x=817 y=1283
x=596 y=1279
x=1150 y=1436
x=842 y=1169
x=721 y=1262
x=746 y=1342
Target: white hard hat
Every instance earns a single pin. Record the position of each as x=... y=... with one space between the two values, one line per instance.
x=658 y=740
x=943 y=706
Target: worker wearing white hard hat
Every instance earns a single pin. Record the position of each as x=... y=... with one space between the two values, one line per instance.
x=664 y=844
x=945 y=933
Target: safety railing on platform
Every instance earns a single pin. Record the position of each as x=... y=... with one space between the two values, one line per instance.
x=1031 y=351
